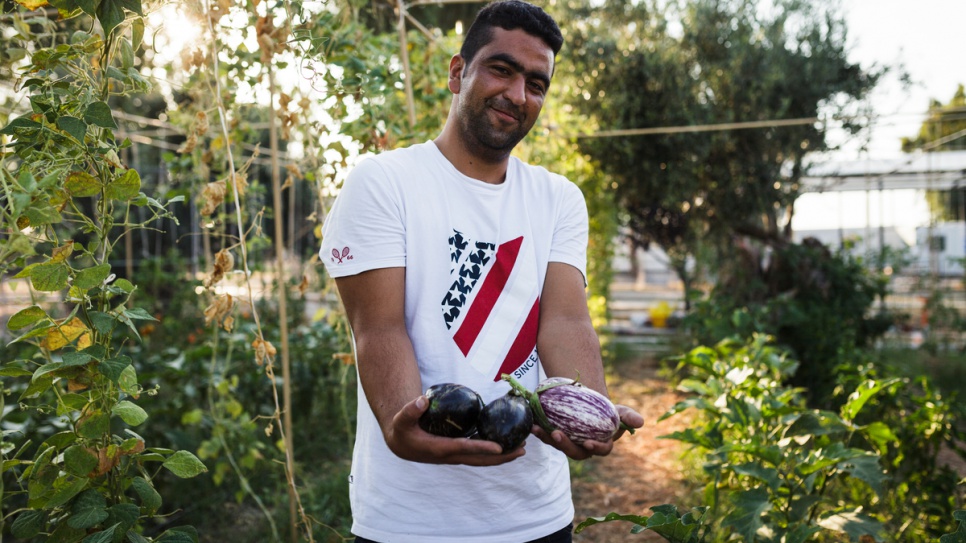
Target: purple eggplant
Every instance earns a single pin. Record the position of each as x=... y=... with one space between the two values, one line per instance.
x=453 y=410
x=506 y=420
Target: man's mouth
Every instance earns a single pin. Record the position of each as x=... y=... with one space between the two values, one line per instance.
x=506 y=113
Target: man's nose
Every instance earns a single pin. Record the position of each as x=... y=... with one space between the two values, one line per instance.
x=516 y=91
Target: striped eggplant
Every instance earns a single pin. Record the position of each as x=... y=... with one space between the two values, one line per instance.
x=581 y=413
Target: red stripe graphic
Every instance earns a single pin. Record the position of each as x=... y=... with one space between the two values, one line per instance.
x=524 y=343
x=506 y=256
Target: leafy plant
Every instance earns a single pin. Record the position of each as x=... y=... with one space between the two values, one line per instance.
x=68 y=200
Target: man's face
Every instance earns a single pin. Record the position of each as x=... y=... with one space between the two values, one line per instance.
x=500 y=93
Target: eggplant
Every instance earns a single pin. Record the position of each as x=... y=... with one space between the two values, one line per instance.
x=581 y=413
x=453 y=410
x=506 y=420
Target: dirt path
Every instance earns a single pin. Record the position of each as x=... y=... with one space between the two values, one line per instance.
x=642 y=471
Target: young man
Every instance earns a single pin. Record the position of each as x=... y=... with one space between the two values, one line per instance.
x=457 y=263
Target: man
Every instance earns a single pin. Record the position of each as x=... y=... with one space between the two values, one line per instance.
x=457 y=263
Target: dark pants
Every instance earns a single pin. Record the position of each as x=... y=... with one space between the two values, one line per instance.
x=563 y=536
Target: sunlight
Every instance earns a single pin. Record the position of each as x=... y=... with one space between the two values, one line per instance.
x=172 y=30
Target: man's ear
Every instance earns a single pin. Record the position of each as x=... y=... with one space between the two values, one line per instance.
x=455 y=73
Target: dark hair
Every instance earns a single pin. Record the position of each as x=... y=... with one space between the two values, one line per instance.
x=510 y=15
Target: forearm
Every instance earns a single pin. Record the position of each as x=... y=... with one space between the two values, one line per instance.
x=569 y=347
x=387 y=371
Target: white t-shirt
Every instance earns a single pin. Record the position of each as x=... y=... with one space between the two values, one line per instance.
x=476 y=257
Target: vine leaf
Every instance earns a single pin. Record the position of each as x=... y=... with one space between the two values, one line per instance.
x=184 y=465
x=99 y=113
x=26 y=317
x=77 y=128
x=82 y=185
x=130 y=412
x=125 y=187
x=89 y=509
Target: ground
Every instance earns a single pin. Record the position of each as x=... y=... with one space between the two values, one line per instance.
x=643 y=470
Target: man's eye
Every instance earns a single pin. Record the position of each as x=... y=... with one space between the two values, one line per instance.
x=537 y=88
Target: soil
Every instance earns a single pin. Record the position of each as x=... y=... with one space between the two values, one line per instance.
x=643 y=470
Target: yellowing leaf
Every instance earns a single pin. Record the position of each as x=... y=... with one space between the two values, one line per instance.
x=32 y=4
x=64 y=334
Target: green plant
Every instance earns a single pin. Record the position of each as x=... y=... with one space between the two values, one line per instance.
x=67 y=201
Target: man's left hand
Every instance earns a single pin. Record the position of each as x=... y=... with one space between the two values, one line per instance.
x=585 y=450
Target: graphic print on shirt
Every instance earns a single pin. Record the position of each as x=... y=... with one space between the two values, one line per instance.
x=492 y=306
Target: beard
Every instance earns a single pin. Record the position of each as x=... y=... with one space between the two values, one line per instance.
x=485 y=137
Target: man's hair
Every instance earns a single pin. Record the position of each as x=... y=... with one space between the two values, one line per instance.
x=510 y=15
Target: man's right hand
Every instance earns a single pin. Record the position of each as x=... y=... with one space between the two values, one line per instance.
x=410 y=442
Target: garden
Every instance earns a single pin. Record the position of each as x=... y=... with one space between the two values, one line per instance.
x=176 y=366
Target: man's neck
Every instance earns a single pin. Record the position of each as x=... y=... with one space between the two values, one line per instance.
x=468 y=163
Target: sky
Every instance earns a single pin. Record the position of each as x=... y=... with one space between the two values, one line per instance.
x=927 y=38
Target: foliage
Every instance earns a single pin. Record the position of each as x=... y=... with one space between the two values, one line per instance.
x=68 y=200
x=960 y=535
x=776 y=470
x=653 y=65
x=943 y=123
x=816 y=303
x=666 y=522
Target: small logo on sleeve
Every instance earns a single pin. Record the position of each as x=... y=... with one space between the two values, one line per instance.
x=338 y=257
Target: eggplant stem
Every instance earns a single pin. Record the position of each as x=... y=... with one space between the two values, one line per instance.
x=534 y=400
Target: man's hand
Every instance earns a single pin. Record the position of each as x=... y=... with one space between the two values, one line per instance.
x=410 y=442
x=585 y=450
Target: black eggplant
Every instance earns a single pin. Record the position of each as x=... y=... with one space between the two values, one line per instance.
x=506 y=420
x=453 y=410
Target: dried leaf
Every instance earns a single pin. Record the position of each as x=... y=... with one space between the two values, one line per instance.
x=241 y=183
x=213 y=195
x=32 y=4
x=224 y=263
x=219 y=312
x=201 y=123
x=303 y=286
x=264 y=351
x=189 y=144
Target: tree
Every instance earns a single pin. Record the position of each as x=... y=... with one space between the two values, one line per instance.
x=943 y=130
x=710 y=62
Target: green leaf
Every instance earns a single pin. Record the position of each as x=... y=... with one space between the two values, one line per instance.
x=112 y=368
x=125 y=187
x=50 y=277
x=39 y=215
x=132 y=5
x=66 y=534
x=94 y=426
x=764 y=474
x=124 y=516
x=817 y=423
x=28 y=524
x=137 y=32
x=853 y=523
x=99 y=113
x=67 y=488
x=181 y=534
x=749 y=506
x=127 y=53
x=139 y=313
x=88 y=510
x=959 y=536
x=77 y=358
x=150 y=499
x=89 y=6
x=79 y=461
x=103 y=322
x=77 y=128
x=82 y=184
x=125 y=285
x=128 y=381
x=134 y=537
x=14 y=371
x=20 y=123
x=185 y=465
x=866 y=468
x=862 y=394
x=110 y=14
x=92 y=277
x=37 y=387
x=26 y=317
x=611 y=517
x=106 y=536
x=130 y=413
x=880 y=433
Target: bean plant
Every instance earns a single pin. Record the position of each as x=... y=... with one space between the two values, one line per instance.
x=67 y=201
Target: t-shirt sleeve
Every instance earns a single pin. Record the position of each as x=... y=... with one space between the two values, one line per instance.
x=570 y=233
x=365 y=229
